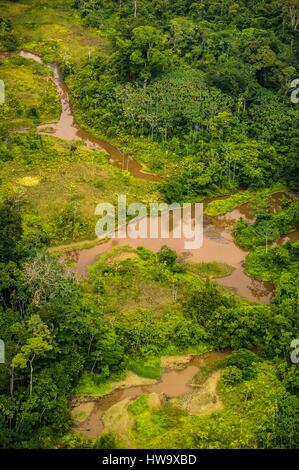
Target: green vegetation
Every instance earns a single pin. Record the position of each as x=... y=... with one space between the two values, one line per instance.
x=206 y=371
x=227 y=204
x=210 y=270
x=61 y=184
x=139 y=405
x=279 y=265
x=148 y=368
x=31 y=96
x=102 y=328
x=199 y=93
x=267 y=226
x=204 y=93
x=93 y=385
x=51 y=29
x=249 y=407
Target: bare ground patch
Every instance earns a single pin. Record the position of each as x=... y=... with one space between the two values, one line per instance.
x=203 y=399
x=175 y=362
x=81 y=412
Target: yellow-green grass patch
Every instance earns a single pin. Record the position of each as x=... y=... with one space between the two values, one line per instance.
x=53 y=29
x=65 y=176
x=30 y=93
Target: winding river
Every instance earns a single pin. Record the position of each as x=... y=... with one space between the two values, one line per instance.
x=174 y=383
x=218 y=242
x=218 y=245
x=67 y=128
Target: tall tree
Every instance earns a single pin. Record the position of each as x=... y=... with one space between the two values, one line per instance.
x=37 y=340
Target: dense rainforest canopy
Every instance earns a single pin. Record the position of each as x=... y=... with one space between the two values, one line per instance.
x=209 y=79
x=200 y=93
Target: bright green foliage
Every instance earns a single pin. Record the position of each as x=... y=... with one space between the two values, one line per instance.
x=267 y=227
x=198 y=92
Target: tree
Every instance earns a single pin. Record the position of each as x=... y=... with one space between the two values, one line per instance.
x=44 y=276
x=37 y=341
x=135 y=8
x=291 y=8
x=167 y=256
x=68 y=224
x=10 y=231
x=268 y=232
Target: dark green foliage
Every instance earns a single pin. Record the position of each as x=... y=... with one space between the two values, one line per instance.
x=108 y=440
x=267 y=227
x=10 y=231
x=206 y=85
x=208 y=79
x=8 y=39
x=245 y=361
x=204 y=302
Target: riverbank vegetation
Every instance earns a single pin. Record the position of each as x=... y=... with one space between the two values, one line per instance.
x=268 y=226
x=199 y=93
x=60 y=184
x=31 y=96
x=128 y=312
x=248 y=407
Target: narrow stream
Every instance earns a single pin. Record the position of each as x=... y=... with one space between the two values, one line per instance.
x=173 y=384
x=67 y=128
x=218 y=242
x=218 y=245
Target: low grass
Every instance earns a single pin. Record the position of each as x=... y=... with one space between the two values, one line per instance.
x=30 y=94
x=227 y=204
x=94 y=385
x=138 y=406
x=64 y=176
x=148 y=368
x=52 y=29
x=211 y=270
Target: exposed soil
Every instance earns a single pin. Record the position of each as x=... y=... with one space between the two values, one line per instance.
x=174 y=383
x=204 y=399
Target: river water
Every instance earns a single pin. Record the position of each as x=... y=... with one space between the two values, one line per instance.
x=218 y=243
x=173 y=384
x=67 y=128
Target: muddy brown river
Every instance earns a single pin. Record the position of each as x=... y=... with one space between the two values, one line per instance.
x=67 y=128
x=218 y=243
x=173 y=384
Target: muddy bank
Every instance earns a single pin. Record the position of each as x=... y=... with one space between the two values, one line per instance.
x=292 y=237
x=67 y=128
x=203 y=399
x=174 y=383
x=218 y=245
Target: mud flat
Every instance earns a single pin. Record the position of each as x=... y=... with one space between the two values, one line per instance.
x=175 y=383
